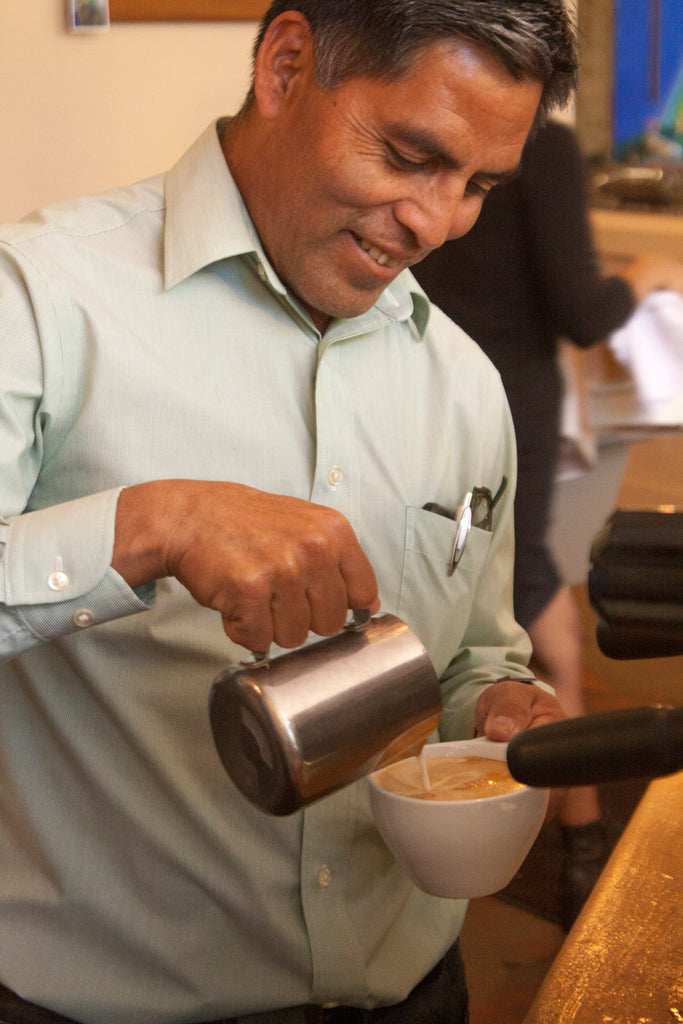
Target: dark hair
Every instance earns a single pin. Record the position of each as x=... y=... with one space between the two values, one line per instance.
x=533 y=39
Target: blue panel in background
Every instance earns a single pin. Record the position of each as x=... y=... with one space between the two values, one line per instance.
x=648 y=100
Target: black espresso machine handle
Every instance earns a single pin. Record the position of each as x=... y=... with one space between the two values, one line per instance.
x=635 y=743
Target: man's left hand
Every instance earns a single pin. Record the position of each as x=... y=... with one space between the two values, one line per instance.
x=509 y=706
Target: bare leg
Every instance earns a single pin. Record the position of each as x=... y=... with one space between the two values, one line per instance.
x=556 y=640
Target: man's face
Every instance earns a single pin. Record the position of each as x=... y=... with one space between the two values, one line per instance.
x=367 y=179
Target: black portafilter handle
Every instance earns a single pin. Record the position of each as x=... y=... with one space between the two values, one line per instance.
x=635 y=584
x=635 y=743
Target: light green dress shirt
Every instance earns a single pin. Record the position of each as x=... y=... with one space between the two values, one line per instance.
x=144 y=335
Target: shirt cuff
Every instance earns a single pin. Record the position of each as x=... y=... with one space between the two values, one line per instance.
x=55 y=572
x=112 y=598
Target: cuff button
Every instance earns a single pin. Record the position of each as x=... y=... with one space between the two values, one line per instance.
x=83 y=618
x=58 y=580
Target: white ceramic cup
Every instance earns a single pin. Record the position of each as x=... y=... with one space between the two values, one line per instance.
x=460 y=848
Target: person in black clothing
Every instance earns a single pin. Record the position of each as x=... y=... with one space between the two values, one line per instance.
x=525 y=276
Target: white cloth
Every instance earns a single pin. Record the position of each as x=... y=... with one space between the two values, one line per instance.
x=578 y=450
x=650 y=345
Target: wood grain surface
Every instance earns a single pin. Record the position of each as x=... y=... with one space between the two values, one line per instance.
x=622 y=962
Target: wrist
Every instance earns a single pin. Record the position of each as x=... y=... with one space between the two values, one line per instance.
x=140 y=541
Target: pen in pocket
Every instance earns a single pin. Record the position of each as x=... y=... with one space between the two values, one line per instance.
x=475 y=509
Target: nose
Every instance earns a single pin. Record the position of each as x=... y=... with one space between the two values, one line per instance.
x=436 y=211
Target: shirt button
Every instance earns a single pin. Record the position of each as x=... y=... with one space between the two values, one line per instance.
x=324 y=877
x=83 y=618
x=58 y=580
x=335 y=476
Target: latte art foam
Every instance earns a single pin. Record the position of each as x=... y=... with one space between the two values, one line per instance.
x=449 y=778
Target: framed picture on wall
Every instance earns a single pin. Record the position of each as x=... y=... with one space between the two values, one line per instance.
x=186 y=10
x=87 y=15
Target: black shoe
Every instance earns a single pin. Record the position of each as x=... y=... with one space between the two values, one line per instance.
x=587 y=850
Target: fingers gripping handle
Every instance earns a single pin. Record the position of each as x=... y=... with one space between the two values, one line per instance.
x=360 y=621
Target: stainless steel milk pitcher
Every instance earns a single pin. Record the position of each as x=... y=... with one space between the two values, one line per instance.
x=295 y=728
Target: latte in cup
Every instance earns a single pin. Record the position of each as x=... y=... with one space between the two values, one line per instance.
x=448 y=837
x=448 y=778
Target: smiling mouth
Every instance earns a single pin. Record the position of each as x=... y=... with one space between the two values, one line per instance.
x=380 y=257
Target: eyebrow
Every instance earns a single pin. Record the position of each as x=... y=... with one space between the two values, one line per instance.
x=426 y=143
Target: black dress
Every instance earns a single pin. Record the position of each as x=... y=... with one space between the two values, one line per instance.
x=525 y=276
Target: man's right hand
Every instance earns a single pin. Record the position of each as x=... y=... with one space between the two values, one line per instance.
x=275 y=567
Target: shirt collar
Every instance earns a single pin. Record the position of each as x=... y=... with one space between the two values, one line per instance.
x=207 y=221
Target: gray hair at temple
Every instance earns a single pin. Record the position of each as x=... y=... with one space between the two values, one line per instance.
x=533 y=39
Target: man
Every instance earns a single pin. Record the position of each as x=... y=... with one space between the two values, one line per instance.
x=223 y=392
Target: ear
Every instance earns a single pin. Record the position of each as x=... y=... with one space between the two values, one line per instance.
x=285 y=53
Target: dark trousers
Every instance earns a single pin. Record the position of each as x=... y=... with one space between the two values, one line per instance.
x=440 y=998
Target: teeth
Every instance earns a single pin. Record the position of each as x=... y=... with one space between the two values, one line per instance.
x=380 y=257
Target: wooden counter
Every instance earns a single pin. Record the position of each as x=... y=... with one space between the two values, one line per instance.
x=621 y=234
x=622 y=962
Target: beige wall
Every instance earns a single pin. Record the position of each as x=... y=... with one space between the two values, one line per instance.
x=79 y=113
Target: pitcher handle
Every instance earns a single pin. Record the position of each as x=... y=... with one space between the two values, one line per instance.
x=360 y=622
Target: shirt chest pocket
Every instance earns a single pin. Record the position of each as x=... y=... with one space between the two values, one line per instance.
x=435 y=605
